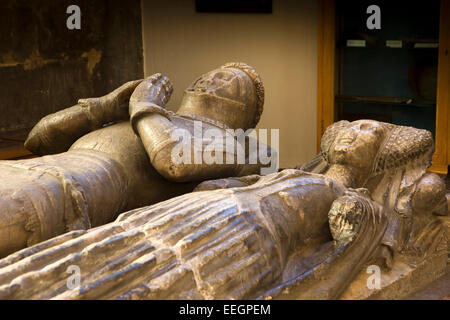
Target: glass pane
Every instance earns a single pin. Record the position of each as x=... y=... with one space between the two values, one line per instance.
x=391 y=73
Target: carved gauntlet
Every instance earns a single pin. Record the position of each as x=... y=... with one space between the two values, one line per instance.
x=150 y=97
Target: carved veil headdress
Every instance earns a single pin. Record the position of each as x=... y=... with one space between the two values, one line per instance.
x=401 y=146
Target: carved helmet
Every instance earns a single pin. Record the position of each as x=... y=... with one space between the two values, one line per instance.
x=257 y=82
x=240 y=85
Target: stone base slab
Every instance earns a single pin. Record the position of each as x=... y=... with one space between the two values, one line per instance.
x=403 y=279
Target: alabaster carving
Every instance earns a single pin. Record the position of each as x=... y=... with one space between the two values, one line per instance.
x=98 y=163
x=298 y=233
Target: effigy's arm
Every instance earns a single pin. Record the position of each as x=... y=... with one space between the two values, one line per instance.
x=315 y=165
x=56 y=132
x=226 y=183
x=358 y=226
x=249 y=174
x=167 y=144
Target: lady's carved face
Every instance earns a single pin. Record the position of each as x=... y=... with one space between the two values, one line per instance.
x=358 y=144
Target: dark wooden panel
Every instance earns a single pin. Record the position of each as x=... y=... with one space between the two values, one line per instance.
x=45 y=67
x=325 y=67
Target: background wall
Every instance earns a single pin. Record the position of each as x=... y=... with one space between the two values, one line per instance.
x=281 y=46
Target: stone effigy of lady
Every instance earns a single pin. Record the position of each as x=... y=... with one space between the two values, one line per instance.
x=91 y=173
x=291 y=234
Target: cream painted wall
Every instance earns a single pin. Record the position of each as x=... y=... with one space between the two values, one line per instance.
x=281 y=46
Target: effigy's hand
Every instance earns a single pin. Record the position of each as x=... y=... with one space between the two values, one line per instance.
x=156 y=89
x=227 y=183
x=149 y=98
x=349 y=212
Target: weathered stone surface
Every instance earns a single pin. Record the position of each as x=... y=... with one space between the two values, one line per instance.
x=288 y=235
x=400 y=281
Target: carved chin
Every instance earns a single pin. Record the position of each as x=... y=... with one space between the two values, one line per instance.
x=339 y=156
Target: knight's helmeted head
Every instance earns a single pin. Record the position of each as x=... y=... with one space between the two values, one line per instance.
x=232 y=94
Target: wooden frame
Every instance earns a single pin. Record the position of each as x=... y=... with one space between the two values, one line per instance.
x=326 y=80
x=326 y=67
x=441 y=154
